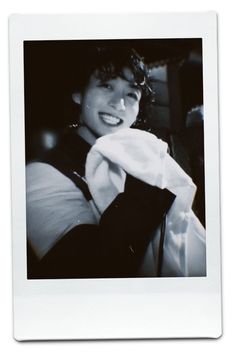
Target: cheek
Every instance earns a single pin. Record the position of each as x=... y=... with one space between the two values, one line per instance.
x=88 y=106
x=134 y=113
x=131 y=117
x=94 y=102
x=88 y=102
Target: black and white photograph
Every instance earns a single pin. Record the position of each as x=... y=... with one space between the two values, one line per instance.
x=115 y=158
x=114 y=145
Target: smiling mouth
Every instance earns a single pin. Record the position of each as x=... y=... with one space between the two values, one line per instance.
x=109 y=119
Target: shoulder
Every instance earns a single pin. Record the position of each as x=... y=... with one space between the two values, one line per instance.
x=54 y=206
x=44 y=173
x=38 y=170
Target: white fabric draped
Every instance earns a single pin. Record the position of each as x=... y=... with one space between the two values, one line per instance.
x=145 y=157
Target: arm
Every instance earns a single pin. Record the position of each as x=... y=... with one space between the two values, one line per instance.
x=116 y=246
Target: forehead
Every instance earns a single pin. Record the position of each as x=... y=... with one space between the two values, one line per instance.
x=125 y=76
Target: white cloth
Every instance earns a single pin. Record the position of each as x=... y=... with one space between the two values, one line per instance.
x=145 y=157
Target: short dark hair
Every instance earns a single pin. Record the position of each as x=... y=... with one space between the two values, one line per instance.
x=109 y=61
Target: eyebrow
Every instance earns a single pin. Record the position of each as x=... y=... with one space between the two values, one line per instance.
x=132 y=85
x=135 y=86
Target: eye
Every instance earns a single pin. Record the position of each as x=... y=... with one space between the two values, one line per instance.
x=105 y=85
x=133 y=95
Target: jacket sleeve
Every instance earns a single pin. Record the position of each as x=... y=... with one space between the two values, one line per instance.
x=115 y=247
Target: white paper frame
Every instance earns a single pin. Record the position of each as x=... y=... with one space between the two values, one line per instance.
x=116 y=308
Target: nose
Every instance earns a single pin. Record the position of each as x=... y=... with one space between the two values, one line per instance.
x=118 y=103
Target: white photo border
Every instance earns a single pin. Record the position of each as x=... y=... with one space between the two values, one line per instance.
x=116 y=308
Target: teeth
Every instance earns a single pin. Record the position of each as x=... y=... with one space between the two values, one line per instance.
x=109 y=119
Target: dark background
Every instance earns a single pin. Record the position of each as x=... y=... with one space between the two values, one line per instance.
x=52 y=70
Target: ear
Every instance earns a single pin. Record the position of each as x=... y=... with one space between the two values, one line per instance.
x=77 y=97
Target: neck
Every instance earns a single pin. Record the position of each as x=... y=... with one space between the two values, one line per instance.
x=86 y=134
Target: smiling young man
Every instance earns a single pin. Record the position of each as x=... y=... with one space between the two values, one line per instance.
x=66 y=238
x=107 y=106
